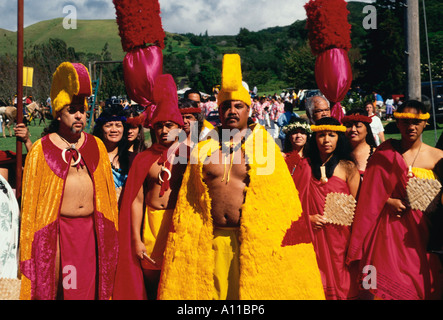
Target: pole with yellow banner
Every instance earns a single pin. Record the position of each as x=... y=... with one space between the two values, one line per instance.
x=28 y=74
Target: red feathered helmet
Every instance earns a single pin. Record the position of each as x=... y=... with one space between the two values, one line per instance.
x=166 y=101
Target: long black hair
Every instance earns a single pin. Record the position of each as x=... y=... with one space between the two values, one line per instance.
x=108 y=114
x=139 y=142
x=341 y=152
x=53 y=126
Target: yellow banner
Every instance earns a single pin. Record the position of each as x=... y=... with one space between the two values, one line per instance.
x=28 y=74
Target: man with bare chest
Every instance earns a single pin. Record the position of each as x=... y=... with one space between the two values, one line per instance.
x=227 y=188
x=69 y=210
x=236 y=232
x=149 y=199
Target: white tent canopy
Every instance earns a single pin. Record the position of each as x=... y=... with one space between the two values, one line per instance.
x=181 y=92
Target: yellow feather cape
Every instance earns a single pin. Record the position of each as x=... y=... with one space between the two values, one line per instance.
x=268 y=270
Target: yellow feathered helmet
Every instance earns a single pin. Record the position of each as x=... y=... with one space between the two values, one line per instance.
x=232 y=86
x=71 y=83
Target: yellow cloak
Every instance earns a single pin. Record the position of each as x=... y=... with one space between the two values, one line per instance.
x=271 y=265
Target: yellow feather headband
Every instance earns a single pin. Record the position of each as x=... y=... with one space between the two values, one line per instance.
x=328 y=127
x=406 y=115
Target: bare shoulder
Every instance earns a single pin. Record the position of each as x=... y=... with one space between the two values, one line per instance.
x=435 y=157
x=433 y=154
x=349 y=166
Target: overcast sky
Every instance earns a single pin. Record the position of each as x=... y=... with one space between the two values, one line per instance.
x=218 y=17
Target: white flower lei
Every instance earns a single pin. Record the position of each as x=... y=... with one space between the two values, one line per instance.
x=297 y=125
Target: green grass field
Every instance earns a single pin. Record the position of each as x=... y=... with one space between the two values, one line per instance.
x=10 y=143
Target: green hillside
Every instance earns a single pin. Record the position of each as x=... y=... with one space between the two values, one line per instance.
x=89 y=37
x=8 y=41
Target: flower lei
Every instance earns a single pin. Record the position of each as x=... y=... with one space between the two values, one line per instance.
x=356 y=118
x=328 y=127
x=406 y=115
x=293 y=126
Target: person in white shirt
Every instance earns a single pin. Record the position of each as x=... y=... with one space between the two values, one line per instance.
x=376 y=124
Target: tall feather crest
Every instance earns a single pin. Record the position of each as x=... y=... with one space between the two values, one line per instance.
x=231 y=73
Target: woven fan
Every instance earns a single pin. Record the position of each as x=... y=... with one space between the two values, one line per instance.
x=423 y=194
x=9 y=289
x=339 y=208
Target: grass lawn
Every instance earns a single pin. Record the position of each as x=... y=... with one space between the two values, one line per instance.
x=36 y=131
x=390 y=132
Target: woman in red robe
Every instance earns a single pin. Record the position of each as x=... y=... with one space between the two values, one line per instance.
x=359 y=133
x=297 y=134
x=333 y=171
x=389 y=238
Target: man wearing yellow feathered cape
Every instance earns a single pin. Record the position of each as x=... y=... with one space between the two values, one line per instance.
x=276 y=255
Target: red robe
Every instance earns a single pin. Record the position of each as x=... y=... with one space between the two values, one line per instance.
x=301 y=173
x=129 y=283
x=331 y=243
x=396 y=247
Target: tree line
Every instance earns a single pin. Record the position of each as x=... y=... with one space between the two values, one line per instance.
x=272 y=59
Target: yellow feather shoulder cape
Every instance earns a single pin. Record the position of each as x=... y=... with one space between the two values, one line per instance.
x=268 y=270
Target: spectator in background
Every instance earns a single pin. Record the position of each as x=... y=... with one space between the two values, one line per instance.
x=210 y=105
x=256 y=112
x=389 y=108
x=317 y=107
x=376 y=125
x=136 y=134
x=192 y=116
x=276 y=110
x=112 y=129
x=193 y=94
x=378 y=99
x=284 y=119
x=265 y=106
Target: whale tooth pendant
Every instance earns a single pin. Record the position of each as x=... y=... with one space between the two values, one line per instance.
x=410 y=174
x=323 y=178
x=164 y=169
x=72 y=147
